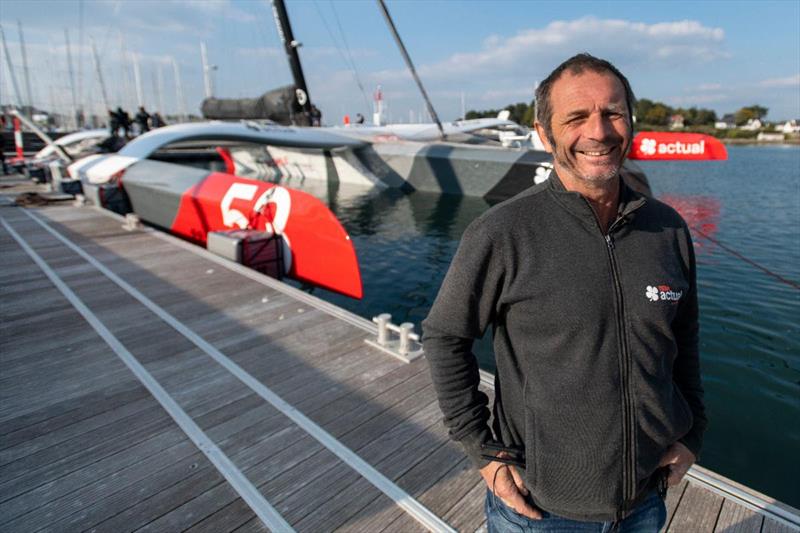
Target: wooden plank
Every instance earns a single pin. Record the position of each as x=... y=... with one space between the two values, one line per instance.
x=734 y=518
x=390 y=454
x=18 y=405
x=335 y=368
x=343 y=397
x=23 y=502
x=155 y=507
x=271 y=363
x=420 y=465
x=181 y=497
x=697 y=512
x=48 y=510
x=48 y=305
x=228 y=518
x=393 y=419
x=65 y=355
x=18 y=401
x=76 y=410
x=338 y=425
x=113 y=503
x=62 y=436
x=673 y=500
x=295 y=505
x=153 y=478
x=302 y=477
x=773 y=526
x=468 y=512
x=340 y=505
x=26 y=474
x=253 y=526
x=68 y=409
x=194 y=511
x=443 y=495
x=74 y=329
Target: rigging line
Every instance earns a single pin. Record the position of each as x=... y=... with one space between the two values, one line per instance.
x=333 y=37
x=348 y=64
x=349 y=55
x=745 y=259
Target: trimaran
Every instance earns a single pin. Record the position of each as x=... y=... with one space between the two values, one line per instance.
x=223 y=179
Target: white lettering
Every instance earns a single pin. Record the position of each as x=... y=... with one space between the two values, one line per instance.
x=231 y=217
x=680 y=148
x=671 y=295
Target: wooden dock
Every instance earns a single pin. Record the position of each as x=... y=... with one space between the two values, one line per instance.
x=148 y=385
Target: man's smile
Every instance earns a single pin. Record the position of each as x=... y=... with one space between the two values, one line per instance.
x=597 y=152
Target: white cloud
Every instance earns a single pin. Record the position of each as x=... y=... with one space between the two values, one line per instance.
x=507 y=95
x=707 y=98
x=628 y=42
x=777 y=83
x=504 y=69
x=223 y=8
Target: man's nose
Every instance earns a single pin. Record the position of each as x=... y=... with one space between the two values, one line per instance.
x=599 y=127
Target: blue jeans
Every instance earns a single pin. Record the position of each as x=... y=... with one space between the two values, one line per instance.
x=649 y=517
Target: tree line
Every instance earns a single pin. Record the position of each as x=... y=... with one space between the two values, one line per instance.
x=647 y=112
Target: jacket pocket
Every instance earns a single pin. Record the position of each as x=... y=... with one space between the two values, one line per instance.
x=572 y=449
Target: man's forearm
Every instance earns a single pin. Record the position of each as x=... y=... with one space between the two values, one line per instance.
x=454 y=370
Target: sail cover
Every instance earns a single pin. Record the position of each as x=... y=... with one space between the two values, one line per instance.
x=279 y=105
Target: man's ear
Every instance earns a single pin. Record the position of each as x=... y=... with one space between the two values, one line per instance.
x=543 y=137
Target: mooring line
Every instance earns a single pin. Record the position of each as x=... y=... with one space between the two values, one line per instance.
x=246 y=490
x=745 y=258
x=404 y=500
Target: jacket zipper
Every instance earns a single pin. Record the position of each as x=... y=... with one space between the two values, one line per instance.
x=628 y=460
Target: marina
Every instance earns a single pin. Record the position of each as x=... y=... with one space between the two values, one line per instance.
x=207 y=322
x=148 y=384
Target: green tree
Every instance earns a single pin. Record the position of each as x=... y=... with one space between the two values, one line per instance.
x=471 y=114
x=658 y=114
x=705 y=117
x=528 y=117
x=518 y=112
x=750 y=112
x=643 y=106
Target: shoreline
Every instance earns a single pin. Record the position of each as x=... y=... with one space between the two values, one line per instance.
x=786 y=142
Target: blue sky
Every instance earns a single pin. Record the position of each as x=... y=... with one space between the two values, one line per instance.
x=721 y=55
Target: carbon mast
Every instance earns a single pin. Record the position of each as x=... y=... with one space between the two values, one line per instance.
x=290 y=46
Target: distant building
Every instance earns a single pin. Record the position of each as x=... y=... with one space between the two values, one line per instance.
x=728 y=121
x=676 y=122
x=770 y=137
x=753 y=124
x=791 y=126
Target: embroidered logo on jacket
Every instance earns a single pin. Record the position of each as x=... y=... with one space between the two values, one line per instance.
x=662 y=292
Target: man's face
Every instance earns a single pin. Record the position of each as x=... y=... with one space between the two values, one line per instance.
x=591 y=131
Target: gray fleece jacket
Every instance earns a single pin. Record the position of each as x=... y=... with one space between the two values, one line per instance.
x=595 y=343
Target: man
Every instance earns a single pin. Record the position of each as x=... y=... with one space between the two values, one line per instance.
x=124 y=121
x=589 y=288
x=157 y=120
x=143 y=119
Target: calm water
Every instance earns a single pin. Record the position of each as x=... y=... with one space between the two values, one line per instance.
x=745 y=210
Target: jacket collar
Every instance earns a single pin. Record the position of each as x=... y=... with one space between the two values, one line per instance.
x=574 y=202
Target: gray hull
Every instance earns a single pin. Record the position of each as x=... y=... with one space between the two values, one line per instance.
x=452 y=168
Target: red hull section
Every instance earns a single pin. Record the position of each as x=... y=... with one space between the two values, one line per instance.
x=668 y=146
x=320 y=250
